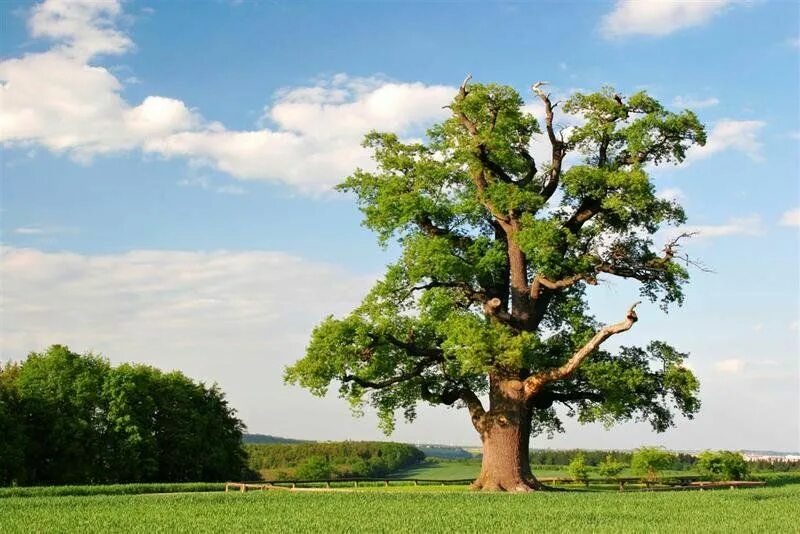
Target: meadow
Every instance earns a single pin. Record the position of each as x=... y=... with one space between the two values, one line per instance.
x=423 y=509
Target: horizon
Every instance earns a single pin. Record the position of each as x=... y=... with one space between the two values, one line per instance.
x=167 y=188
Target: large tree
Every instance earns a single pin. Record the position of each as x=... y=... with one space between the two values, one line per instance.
x=488 y=298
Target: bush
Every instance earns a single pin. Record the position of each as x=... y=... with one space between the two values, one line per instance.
x=650 y=461
x=610 y=467
x=578 y=470
x=314 y=468
x=722 y=465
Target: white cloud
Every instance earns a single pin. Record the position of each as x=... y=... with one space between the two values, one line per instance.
x=315 y=141
x=728 y=134
x=37 y=230
x=694 y=103
x=60 y=100
x=730 y=366
x=233 y=317
x=28 y=230
x=83 y=28
x=658 y=17
x=671 y=193
x=744 y=226
x=791 y=217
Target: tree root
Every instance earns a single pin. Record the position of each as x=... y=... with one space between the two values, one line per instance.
x=520 y=485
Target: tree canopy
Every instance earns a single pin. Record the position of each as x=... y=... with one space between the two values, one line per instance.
x=67 y=418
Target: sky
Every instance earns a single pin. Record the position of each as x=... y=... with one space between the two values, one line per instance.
x=167 y=184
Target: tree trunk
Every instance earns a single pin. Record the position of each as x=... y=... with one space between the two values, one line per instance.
x=505 y=432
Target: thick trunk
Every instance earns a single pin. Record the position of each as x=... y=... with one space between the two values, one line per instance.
x=505 y=432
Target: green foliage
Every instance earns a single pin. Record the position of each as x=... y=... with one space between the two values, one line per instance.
x=650 y=461
x=440 y=322
x=85 y=421
x=338 y=459
x=722 y=465
x=577 y=469
x=610 y=467
x=314 y=468
x=13 y=440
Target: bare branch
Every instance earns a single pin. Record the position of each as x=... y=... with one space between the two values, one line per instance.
x=534 y=383
x=558 y=147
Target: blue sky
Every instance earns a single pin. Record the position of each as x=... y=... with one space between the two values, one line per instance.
x=167 y=173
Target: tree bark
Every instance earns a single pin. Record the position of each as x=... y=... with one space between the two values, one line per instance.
x=505 y=432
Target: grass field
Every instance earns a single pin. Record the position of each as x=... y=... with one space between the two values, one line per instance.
x=769 y=509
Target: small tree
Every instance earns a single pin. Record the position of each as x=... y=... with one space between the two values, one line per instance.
x=722 y=465
x=314 y=468
x=578 y=470
x=610 y=467
x=650 y=461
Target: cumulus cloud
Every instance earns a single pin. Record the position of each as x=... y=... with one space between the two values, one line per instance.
x=658 y=17
x=233 y=317
x=316 y=134
x=743 y=226
x=671 y=193
x=728 y=134
x=310 y=136
x=791 y=218
x=82 y=28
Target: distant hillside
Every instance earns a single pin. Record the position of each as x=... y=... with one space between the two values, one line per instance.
x=330 y=459
x=445 y=452
x=266 y=438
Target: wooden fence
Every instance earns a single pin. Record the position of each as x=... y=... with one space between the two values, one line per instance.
x=664 y=483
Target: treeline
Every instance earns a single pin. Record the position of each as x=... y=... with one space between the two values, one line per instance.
x=67 y=418
x=330 y=460
x=594 y=458
x=774 y=465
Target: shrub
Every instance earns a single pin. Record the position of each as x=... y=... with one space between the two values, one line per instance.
x=650 y=461
x=578 y=470
x=610 y=467
x=722 y=465
x=314 y=468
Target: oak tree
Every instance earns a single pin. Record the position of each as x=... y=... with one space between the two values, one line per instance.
x=486 y=307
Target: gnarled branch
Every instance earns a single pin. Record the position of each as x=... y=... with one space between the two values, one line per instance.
x=534 y=383
x=540 y=282
x=558 y=147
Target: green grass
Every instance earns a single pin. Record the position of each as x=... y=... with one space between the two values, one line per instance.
x=430 y=510
x=110 y=489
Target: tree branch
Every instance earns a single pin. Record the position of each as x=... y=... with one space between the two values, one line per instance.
x=433 y=354
x=540 y=282
x=534 y=383
x=449 y=396
x=415 y=372
x=588 y=208
x=558 y=147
